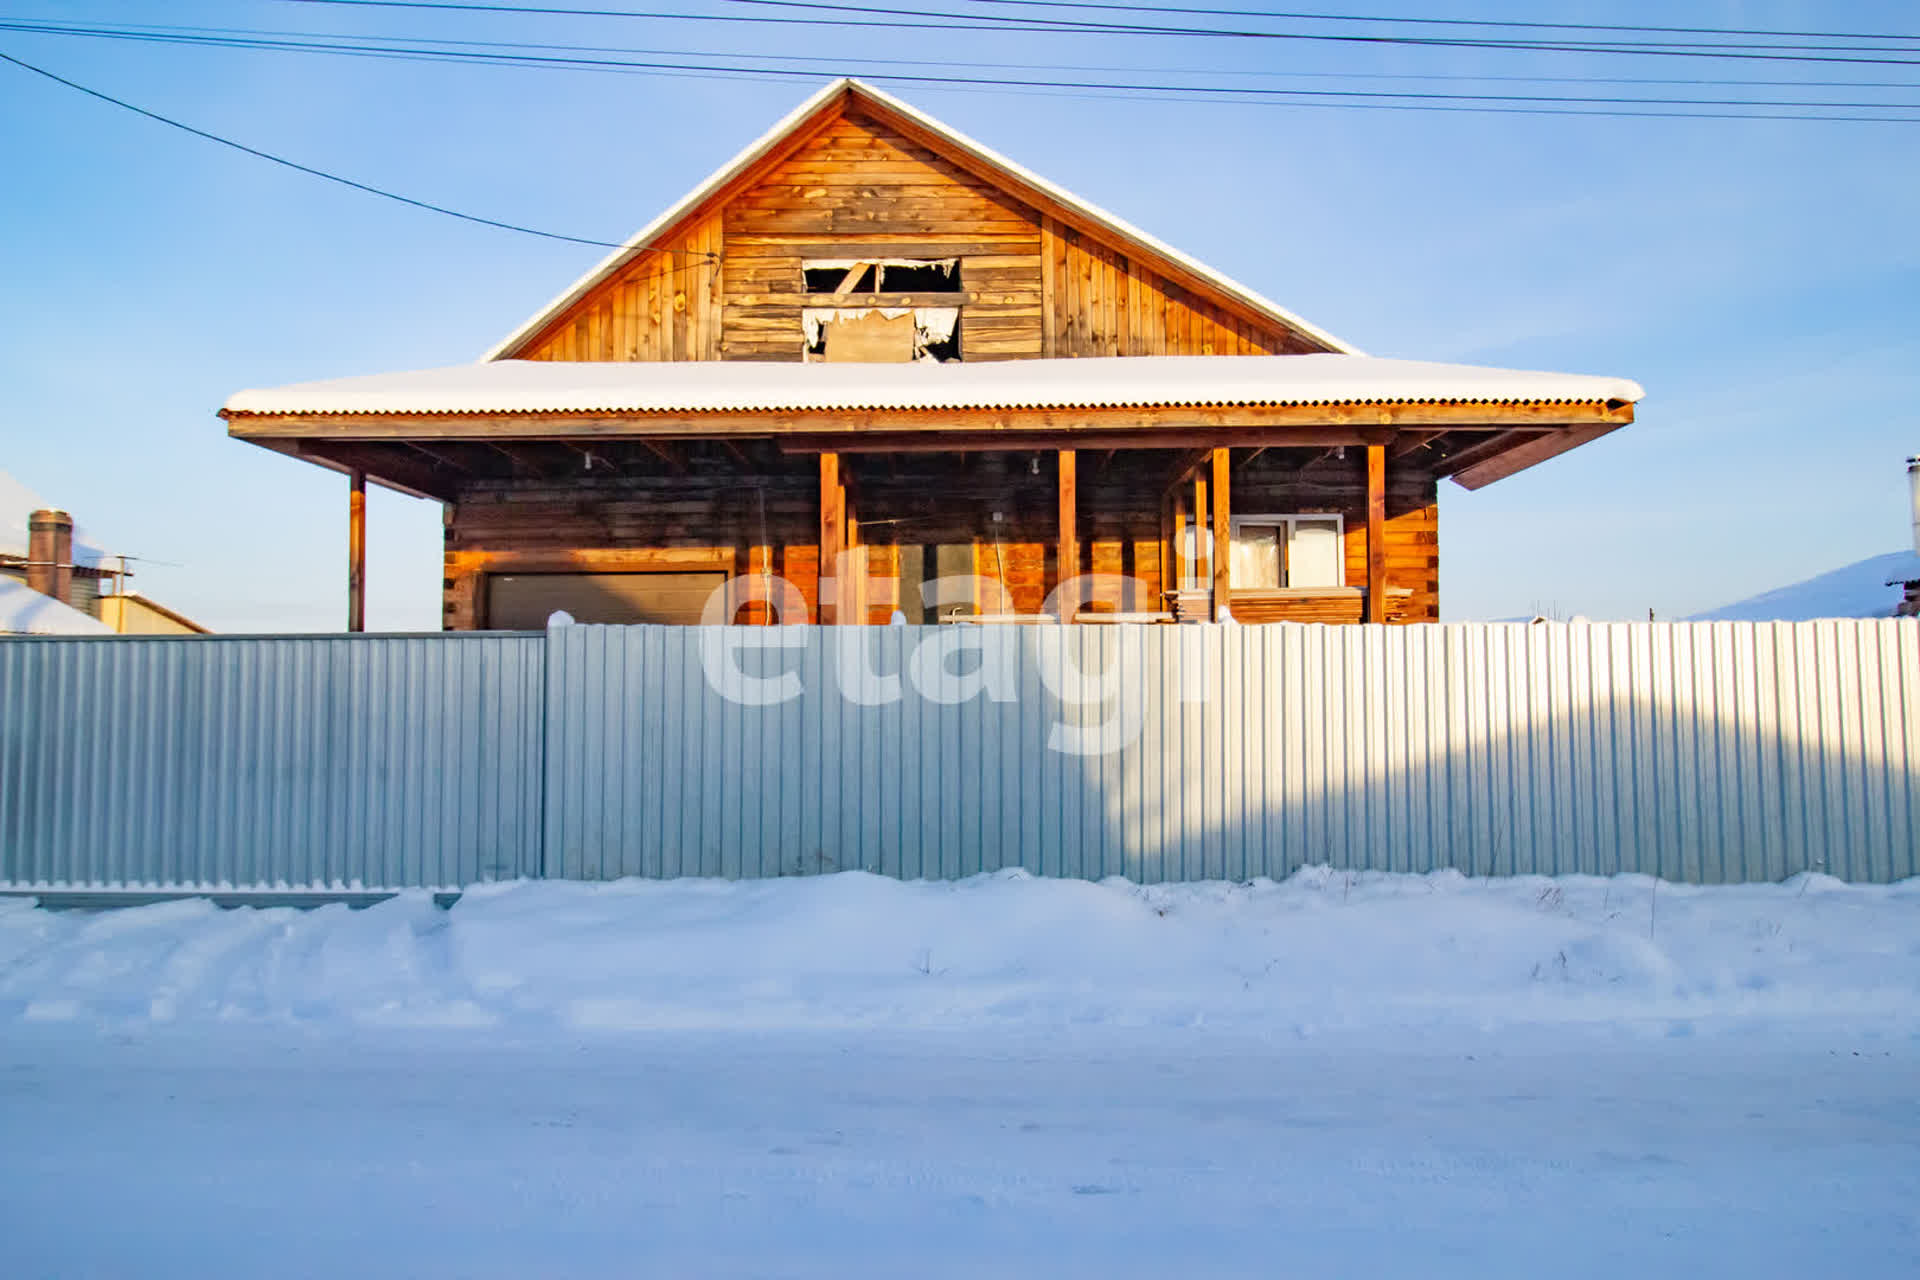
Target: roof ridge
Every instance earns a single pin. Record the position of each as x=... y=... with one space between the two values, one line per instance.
x=642 y=240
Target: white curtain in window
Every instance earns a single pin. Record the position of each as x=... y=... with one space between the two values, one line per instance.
x=1256 y=556
x=1313 y=558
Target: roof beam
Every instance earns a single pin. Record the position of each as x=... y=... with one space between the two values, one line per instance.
x=386 y=466
x=1183 y=467
x=1412 y=442
x=1039 y=442
x=667 y=453
x=1529 y=453
x=515 y=458
x=1315 y=423
x=440 y=457
x=1488 y=447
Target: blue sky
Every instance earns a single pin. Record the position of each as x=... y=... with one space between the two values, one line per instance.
x=1759 y=278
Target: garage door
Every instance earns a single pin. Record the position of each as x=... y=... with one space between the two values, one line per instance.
x=524 y=601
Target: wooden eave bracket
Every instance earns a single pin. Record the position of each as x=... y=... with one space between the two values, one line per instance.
x=1530 y=452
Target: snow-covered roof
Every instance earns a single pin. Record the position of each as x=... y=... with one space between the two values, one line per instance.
x=25 y=612
x=17 y=502
x=643 y=239
x=541 y=386
x=1859 y=590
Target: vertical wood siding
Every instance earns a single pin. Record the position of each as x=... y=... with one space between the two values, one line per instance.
x=1032 y=285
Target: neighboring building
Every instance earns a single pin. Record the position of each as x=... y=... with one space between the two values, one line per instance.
x=1908 y=576
x=26 y=612
x=869 y=342
x=131 y=614
x=50 y=569
x=50 y=554
x=1877 y=587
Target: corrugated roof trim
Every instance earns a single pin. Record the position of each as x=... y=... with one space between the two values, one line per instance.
x=643 y=239
x=522 y=386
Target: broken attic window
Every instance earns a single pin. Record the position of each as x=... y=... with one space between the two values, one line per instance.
x=884 y=335
x=831 y=277
x=920 y=277
x=843 y=276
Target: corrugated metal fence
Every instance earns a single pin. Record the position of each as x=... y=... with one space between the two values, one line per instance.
x=1702 y=752
x=270 y=762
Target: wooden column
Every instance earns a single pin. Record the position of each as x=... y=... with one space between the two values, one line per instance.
x=1376 y=533
x=833 y=517
x=1167 y=571
x=1177 y=550
x=1202 y=547
x=853 y=592
x=357 y=552
x=1222 y=534
x=1069 y=531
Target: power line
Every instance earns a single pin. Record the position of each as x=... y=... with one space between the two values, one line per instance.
x=948 y=20
x=1402 y=20
x=843 y=6
x=161 y=30
x=309 y=169
x=1401 y=99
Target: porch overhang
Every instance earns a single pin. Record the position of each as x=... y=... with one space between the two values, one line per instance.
x=425 y=432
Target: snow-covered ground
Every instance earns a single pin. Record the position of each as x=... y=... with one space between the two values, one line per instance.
x=1333 y=1076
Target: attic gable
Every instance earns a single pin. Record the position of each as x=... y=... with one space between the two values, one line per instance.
x=854 y=170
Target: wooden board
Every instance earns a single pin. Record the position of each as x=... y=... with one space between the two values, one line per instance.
x=726 y=285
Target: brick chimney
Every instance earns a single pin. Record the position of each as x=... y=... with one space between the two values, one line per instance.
x=50 y=554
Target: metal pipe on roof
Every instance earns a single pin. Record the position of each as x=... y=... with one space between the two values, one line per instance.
x=1913 y=483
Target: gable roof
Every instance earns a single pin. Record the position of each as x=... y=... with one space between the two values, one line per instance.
x=833 y=101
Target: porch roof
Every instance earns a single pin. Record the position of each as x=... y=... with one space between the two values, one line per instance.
x=535 y=387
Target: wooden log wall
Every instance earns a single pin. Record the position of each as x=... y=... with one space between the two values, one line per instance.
x=730 y=287
x=1271 y=486
x=714 y=521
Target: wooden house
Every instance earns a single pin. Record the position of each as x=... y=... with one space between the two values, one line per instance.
x=869 y=353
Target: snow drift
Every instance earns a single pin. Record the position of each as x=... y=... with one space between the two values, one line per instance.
x=1323 y=950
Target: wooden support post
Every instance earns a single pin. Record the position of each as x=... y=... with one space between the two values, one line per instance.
x=1169 y=576
x=357 y=551
x=833 y=515
x=1222 y=534
x=1177 y=552
x=1069 y=532
x=1202 y=546
x=1376 y=533
x=853 y=592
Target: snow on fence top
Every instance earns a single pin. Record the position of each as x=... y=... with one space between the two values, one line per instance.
x=518 y=386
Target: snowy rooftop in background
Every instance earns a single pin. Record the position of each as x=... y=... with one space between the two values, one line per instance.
x=17 y=502
x=520 y=386
x=25 y=612
x=1860 y=590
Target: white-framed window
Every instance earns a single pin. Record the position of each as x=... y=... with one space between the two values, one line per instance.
x=1300 y=549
